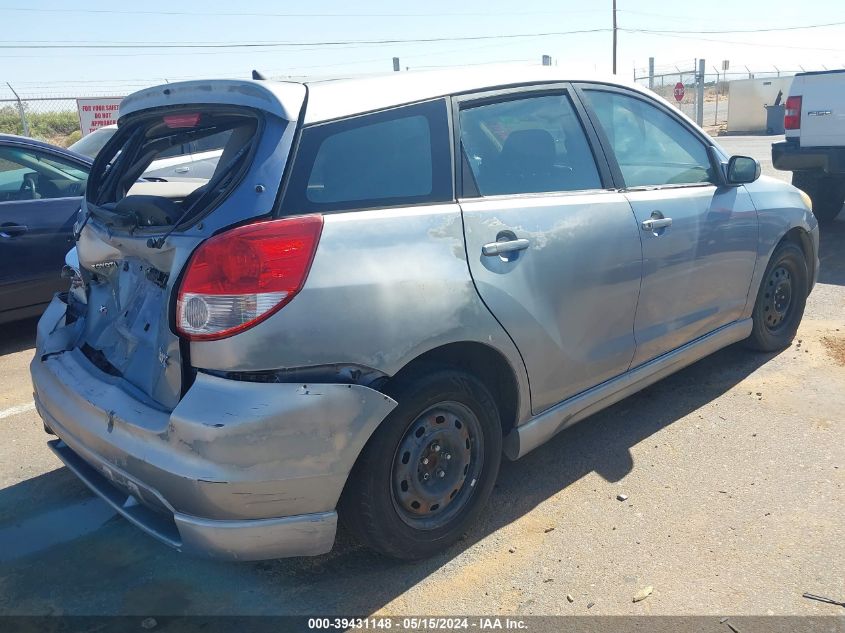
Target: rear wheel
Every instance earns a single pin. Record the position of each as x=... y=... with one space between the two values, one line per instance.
x=426 y=473
x=826 y=192
x=780 y=299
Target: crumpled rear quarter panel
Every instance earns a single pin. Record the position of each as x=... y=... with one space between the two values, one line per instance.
x=386 y=286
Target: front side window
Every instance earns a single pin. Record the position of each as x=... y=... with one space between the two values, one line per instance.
x=31 y=175
x=527 y=145
x=651 y=147
x=390 y=158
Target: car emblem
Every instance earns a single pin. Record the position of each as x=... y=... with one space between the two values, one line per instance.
x=103 y=309
x=104 y=265
x=819 y=113
x=163 y=357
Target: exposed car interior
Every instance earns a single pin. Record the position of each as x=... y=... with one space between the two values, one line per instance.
x=121 y=196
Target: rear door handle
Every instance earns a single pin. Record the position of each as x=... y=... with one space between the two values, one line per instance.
x=182 y=170
x=9 y=231
x=500 y=248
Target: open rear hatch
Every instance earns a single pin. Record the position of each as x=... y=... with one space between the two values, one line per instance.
x=134 y=237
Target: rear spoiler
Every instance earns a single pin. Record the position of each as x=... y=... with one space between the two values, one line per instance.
x=281 y=98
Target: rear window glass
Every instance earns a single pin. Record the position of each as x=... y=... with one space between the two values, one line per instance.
x=91 y=144
x=392 y=158
x=211 y=143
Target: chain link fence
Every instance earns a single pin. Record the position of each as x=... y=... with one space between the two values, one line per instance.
x=666 y=85
x=717 y=87
x=47 y=114
x=51 y=118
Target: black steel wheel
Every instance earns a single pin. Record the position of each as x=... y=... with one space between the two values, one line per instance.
x=780 y=300
x=427 y=471
x=777 y=298
x=437 y=464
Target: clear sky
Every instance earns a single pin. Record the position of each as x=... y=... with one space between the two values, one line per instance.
x=51 y=71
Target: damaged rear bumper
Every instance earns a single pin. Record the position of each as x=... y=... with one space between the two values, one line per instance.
x=238 y=470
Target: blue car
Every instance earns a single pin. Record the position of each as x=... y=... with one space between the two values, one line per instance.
x=41 y=188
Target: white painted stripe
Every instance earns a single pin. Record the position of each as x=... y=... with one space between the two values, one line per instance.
x=20 y=408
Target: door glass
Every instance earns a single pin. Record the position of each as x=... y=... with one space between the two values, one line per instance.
x=28 y=175
x=651 y=147
x=527 y=145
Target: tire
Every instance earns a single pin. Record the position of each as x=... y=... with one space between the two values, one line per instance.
x=780 y=299
x=442 y=409
x=826 y=192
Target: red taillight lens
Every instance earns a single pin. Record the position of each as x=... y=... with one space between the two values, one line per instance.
x=239 y=278
x=792 y=114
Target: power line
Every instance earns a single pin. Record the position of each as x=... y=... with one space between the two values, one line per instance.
x=755 y=30
x=723 y=41
x=420 y=40
x=261 y=14
x=82 y=44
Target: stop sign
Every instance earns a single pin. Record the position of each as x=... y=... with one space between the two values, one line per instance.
x=679 y=91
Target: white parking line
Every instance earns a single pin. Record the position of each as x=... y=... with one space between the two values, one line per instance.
x=19 y=408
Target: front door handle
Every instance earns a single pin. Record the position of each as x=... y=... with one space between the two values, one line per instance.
x=656 y=222
x=9 y=231
x=182 y=170
x=501 y=248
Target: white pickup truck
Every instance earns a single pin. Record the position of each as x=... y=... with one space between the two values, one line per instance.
x=814 y=149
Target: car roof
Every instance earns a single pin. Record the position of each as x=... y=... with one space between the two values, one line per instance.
x=335 y=98
x=13 y=139
x=329 y=99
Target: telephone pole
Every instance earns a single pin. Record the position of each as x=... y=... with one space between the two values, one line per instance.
x=614 y=37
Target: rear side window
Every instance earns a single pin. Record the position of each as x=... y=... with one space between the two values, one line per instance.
x=392 y=158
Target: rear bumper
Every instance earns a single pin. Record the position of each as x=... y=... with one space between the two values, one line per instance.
x=303 y=535
x=790 y=156
x=237 y=470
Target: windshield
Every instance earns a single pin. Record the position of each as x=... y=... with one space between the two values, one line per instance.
x=91 y=144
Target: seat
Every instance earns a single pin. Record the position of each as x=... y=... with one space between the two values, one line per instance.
x=526 y=164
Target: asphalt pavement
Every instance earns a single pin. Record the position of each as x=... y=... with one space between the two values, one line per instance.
x=734 y=471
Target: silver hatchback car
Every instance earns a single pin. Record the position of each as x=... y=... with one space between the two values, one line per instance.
x=387 y=283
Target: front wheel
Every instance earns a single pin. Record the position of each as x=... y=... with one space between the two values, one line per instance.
x=780 y=299
x=428 y=470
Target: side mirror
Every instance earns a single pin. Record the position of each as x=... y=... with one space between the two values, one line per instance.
x=742 y=170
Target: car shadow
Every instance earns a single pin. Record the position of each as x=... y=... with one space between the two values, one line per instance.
x=832 y=252
x=600 y=444
x=145 y=577
x=17 y=336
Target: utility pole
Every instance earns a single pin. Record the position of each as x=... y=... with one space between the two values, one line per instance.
x=614 y=37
